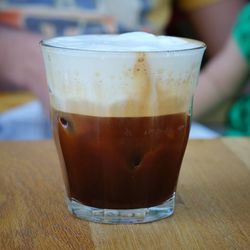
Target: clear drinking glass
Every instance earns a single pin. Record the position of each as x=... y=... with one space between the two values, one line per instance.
x=121 y=118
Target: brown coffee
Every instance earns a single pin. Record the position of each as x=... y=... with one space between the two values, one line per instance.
x=121 y=163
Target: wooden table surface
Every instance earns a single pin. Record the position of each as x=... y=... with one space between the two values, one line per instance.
x=213 y=203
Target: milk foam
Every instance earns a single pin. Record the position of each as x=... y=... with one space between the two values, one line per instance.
x=134 y=41
x=129 y=75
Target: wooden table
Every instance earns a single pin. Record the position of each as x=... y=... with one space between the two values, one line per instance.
x=213 y=203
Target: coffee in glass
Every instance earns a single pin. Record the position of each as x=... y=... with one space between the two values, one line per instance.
x=121 y=107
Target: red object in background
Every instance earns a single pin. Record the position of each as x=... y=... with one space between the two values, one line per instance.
x=11 y=18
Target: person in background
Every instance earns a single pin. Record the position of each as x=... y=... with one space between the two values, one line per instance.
x=24 y=23
x=227 y=76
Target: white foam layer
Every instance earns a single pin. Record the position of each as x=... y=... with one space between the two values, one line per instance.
x=118 y=84
x=134 y=41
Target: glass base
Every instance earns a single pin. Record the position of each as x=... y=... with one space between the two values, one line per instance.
x=122 y=216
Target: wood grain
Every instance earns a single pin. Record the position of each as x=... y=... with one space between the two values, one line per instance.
x=213 y=203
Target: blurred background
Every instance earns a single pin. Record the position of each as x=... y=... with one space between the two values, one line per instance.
x=222 y=103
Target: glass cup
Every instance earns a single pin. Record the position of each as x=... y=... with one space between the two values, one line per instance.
x=121 y=118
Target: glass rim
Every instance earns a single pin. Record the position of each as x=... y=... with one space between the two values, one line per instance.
x=47 y=43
